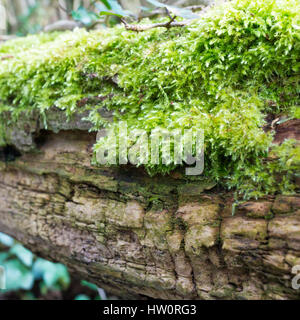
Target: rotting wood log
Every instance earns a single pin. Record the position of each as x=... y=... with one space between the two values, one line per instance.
x=142 y=237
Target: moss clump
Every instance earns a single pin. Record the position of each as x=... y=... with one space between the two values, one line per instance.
x=225 y=72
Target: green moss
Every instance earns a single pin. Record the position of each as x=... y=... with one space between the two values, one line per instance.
x=225 y=72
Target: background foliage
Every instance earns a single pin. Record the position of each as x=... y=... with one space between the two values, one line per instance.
x=29 y=277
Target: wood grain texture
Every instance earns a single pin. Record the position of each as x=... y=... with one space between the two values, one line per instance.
x=141 y=237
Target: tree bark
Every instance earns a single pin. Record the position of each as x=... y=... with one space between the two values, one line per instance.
x=141 y=237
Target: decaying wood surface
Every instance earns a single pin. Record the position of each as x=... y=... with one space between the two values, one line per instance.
x=141 y=237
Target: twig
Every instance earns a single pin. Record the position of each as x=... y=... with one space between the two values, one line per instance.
x=169 y=24
x=168 y=13
x=171 y=18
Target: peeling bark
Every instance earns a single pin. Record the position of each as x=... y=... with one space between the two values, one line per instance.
x=141 y=237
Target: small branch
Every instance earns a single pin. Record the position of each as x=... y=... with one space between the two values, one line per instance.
x=171 y=18
x=144 y=27
x=168 y=13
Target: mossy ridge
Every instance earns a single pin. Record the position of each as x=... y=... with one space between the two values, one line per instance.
x=223 y=73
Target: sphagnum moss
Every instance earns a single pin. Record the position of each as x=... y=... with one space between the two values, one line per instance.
x=225 y=72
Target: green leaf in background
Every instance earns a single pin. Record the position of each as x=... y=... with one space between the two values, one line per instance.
x=25 y=256
x=18 y=276
x=6 y=240
x=115 y=9
x=108 y=13
x=23 y=269
x=82 y=297
x=84 y=16
x=106 y=3
x=89 y=285
x=25 y=21
x=51 y=273
x=3 y=257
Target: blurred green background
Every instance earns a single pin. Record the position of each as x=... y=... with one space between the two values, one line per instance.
x=32 y=16
x=29 y=277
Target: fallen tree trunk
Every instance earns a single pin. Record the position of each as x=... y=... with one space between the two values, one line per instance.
x=140 y=237
x=168 y=236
